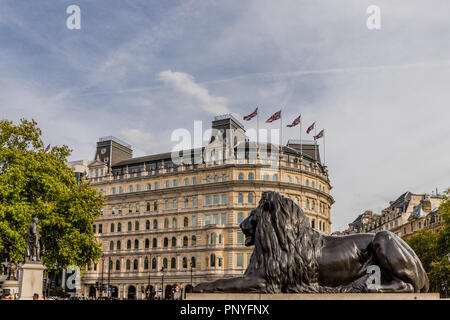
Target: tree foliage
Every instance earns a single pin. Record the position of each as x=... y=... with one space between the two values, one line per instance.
x=35 y=183
x=432 y=249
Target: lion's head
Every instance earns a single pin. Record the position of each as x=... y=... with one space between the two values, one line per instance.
x=286 y=248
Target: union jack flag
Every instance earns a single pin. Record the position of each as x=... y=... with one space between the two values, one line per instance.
x=295 y=122
x=310 y=127
x=251 y=115
x=319 y=135
x=275 y=116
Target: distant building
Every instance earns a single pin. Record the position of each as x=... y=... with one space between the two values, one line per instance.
x=404 y=216
x=165 y=225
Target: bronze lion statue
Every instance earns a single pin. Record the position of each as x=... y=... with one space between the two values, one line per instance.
x=290 y=256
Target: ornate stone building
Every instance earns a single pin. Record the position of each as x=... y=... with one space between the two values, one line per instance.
x=405 y=216
x=166 y=225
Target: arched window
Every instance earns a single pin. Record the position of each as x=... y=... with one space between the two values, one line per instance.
x=296 y=180
x=166 y=223
x=193 y=241
x=135 y=264
x=174 y=222
x=155 y=205
x=213 y=260
x=313 y=223
x=155 y=224
x=224 y=177
x=184 y=262
x=173 y=263
x=185 y=241
x=119 y=227
x=147 y=225
x=186 y=181
x=129 y=226
x=186 y=202
x=174 y=242
x=154 y=263
x=165 y=263
x=250 y=176
x=136 y=244
x=136 y=226
x=128 y=264
x=288 y=179
x=154 y=243
x=208 y=179
x=148 y=206
x=128 y=244
x=296 y=200
x=213 y=238
x=147 y=243
x=220 y=239
x=240 y=176
x=240 y=198
x=307 y=203
x=111 y=245
x=265 y=177
x=130 y=189
x=216 y=178
x=193 y=262
x=117 y=265
x=250 y=198
x=118 y=245
x=111 y=227
x=146 y=263
x=149 y=186
x=185 y=222
x=274 y=177
x=166 y=242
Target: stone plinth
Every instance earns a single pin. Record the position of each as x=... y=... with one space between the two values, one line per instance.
x=31 y=281
x=312 y=296
x=12 y=286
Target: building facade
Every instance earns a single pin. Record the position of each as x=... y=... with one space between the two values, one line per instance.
x=404 y=216
x=167 y=225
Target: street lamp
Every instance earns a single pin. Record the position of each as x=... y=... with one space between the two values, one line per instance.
x=148 y=286
x=191 y=273
x=162 y=281
x=101 y=287
x=109 y=276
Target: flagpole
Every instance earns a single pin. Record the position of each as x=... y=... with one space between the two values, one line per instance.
x=315 y=140
x=324 y=147
x=257 y=133
x=281 y=130
x=257 y=128
x=301 y=145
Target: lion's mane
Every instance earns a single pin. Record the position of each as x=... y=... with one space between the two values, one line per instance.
x=286 y=248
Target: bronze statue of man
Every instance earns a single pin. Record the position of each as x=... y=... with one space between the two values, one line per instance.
x=33 y=252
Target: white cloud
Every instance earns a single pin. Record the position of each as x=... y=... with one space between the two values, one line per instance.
x=144 y=143
x=186 y=84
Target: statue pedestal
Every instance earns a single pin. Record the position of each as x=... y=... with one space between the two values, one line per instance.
x=31 y=281
x=11 y=286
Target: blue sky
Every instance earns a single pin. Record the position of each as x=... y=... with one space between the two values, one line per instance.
x=141 y=69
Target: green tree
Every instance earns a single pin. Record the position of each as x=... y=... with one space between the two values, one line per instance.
x=35 y=183
x=432 y=249
x=424 y=244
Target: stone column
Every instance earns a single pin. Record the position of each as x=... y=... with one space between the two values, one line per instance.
x=31 y=281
